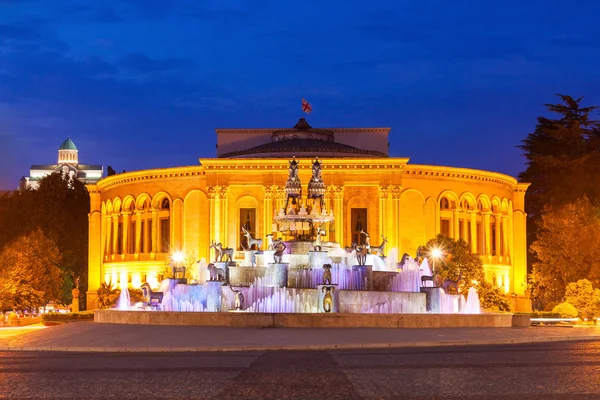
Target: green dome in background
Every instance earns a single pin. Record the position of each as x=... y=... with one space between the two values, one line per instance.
x=68 y=145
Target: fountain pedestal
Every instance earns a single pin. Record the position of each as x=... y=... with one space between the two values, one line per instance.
x=316 y=259
x=213 y=297
x=265 y=258
x=249 y=258
x=75 y=302
x=366 y=273
x=277 y=274
x=328 y=299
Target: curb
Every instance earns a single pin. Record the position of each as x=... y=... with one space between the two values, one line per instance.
x=396 y=345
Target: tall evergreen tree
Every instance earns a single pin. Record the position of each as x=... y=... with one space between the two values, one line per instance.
x=563 y=157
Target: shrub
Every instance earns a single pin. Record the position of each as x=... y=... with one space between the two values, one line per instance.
x=566 y=310
x=52 y=319
x=492 y=297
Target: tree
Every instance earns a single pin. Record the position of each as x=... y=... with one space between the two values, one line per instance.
x=584 y=298
x=562 y=157
x=567 y=249
x=29 y=272
x=60 y=208
x=457 y=258
x=110 y=171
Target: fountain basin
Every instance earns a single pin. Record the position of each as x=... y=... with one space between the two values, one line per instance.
x=322 y=320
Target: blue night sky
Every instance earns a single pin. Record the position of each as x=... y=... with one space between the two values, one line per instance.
x=143 y=83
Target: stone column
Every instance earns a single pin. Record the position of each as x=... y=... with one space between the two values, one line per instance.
x=95 y=262
x=138 y=234
x=465 y=229
x=216 y=194
x=175 y=220
x=146 y=234
x=384 y=213
x=338 y=214
x=519 y=256
x=154 y=248
x=115 y=224
x=473 y=218
x=455 y=224
x=108 y=241
x=280 y=198
x=267 y=212
x=487 y=232
x=505 y=252
x=497 y=237
x=126 y=233
x=396 y=216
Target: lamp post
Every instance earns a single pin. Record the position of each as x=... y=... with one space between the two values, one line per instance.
x=435 y=254
x=176 y=260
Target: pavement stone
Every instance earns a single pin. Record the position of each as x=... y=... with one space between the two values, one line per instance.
x=95 y=337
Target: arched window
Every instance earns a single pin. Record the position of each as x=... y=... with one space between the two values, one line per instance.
x=444 y=203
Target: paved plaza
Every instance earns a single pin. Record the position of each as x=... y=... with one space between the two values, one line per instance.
x=560 y=370
x=90 y=336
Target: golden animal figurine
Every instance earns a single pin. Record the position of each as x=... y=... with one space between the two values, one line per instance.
x=328 y=298
x=326 y=274
x=361 y=254
x=251 y=241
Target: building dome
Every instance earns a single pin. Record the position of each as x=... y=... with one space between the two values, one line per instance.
x=304 y=141
x=68 y=145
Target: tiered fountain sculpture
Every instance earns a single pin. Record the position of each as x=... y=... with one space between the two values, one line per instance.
x=300 y=271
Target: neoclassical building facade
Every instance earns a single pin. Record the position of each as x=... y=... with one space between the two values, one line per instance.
x=138 y=219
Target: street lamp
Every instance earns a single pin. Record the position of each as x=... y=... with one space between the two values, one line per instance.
x=436 y=253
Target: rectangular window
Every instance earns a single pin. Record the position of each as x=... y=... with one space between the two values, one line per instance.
x=461 y=225
x=150 y=244
x=358 y=220
x=165 y=234
x=131 y=239
x=502 y=249
x=142 y=237
x=468 y=238
x=248 y=222
x=445 y=227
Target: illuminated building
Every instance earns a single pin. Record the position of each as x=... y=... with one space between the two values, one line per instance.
x=139 y=218
x=68 y=164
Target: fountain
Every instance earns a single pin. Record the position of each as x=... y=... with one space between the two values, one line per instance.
x=305 y=274
x=472 y=306
x=124 y=302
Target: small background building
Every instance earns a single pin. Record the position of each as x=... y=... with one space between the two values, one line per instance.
x=68 y=164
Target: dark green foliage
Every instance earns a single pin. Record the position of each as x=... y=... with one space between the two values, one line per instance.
x=107 y=295
x=30 y=276
x=456 y=258
x=563 y=158
x=563 y=161
x=52 y=319
x=60 y=209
